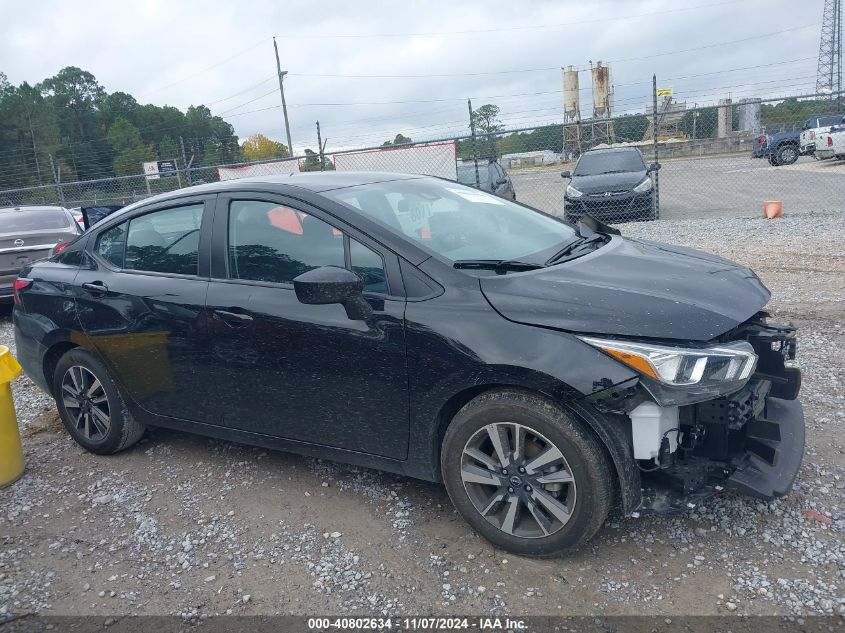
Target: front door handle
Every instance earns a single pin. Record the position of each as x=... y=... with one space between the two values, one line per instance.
x=96 y=287
x=234 y=319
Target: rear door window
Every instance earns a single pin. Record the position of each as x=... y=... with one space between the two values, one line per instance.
x=112 y=243
x=165 y=241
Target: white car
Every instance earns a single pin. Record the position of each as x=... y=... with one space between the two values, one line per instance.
x=816 y=125
x=831 y=144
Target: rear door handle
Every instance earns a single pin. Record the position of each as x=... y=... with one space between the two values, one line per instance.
x=96 y=287
x=234 y=319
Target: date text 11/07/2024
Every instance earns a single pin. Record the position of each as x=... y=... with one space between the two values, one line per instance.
x=417 y=624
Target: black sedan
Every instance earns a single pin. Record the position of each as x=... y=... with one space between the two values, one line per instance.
x=611 y=184
x=544 y=372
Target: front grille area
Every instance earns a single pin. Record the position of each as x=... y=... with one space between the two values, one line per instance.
x=603 y=194
x=610 y=207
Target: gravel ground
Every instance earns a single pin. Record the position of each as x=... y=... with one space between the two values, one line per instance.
x=195 y=527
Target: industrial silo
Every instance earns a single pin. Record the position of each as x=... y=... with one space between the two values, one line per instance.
x=601 y=90
x=601 y=128
x=571 y=113
x=750 y=115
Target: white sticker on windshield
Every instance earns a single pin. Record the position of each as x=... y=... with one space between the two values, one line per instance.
x=474 y=195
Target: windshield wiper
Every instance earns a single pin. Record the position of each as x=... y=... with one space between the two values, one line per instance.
x=590 y=232
x=495 y=264
x=575 y=248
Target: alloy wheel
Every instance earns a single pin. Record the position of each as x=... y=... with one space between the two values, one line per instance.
x=518 y=480
x=86 y=403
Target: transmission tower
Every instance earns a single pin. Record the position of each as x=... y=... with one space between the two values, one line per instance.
x=829 y=73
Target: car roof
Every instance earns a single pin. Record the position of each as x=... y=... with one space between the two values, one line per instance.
x=315 y=182
x=312 y=181
x=25 y=208
x=611 y=150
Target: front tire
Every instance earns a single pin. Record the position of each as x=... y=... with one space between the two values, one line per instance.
x=90 y=405
x=526 y=474
x=787 y=154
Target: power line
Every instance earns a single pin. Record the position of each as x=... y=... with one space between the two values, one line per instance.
x=603 y=19
x=205 y=70
x=555 y=68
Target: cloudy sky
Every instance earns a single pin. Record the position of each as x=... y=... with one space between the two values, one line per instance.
x=369 y=69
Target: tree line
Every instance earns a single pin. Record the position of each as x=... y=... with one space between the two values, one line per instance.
x=69 y=126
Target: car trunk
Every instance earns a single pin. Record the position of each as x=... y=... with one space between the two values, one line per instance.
x=19 y=248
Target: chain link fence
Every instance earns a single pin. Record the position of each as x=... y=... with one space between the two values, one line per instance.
x=683 y=160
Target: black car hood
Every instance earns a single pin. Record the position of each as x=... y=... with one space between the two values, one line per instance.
x=633 y=288
x=623 y=181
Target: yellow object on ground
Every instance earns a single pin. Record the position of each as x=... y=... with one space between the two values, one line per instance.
x=11 y=453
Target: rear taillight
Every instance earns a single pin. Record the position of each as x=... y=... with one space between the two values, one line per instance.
x=762 y=140
x=21 y=283
x=811 y=135
x=58 y=248
x=829 y=141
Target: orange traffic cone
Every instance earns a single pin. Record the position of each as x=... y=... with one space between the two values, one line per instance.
x=772 y=209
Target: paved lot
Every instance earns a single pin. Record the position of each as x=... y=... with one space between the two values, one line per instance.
x=714 y=187
x=190 y=526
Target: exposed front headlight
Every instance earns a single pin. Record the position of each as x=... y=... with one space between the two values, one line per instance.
x=644 y=186
x=683 y=374
x=572 y=192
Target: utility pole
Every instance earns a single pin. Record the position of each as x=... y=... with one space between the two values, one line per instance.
x=694 y=119
x=57 y=178
x=654 y=137
x=185 y=162
x=320 y=146
x=282 y=74
x=474 y=149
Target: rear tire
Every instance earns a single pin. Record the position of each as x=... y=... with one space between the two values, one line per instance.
x=90 y=405
x=526 y=474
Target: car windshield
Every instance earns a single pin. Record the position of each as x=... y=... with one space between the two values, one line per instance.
x=33 y=220
x=595 y=163
x=458 y=222
x=466 y=174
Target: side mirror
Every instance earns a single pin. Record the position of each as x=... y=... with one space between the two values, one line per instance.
x=566 y=174
x=653 y=167
x=331 y=284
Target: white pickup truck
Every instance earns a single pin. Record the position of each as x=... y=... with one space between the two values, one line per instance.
x=831 y=144
x=815 y=126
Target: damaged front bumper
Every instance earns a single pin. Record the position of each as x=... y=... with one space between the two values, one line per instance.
x=781 y=435
x=751 y=441
x=766 y=456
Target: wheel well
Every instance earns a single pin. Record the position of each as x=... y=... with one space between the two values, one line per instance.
x=613 y=436
x=51 y=359
x=451 y=408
